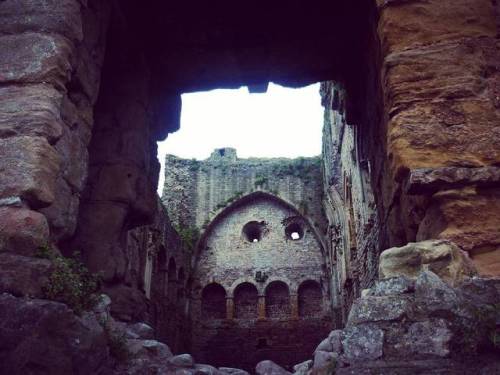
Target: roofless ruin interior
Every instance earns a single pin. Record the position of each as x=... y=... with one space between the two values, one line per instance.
x=379 y=256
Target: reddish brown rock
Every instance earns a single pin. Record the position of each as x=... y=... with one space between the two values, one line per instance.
x=28 y=169
x=23 y=276
x=72 y=148
x=33 y=58
x=47 y=16
x=62 y=215
x=30 y=110
x=432 y=22
x=440 y=84
x=100 y=237
x=46 y=337
x=437 y=117
x=429 y=180
x=22 y=231
x=468 y=217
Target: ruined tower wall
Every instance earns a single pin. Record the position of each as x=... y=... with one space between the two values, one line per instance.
x=275 y=288
x=195 y=191
x=160 y=267
x=353 y=238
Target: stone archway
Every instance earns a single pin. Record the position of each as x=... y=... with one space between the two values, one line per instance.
x=415 y=101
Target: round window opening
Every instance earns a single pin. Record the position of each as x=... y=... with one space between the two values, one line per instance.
x=294 y=231
x=253 y=231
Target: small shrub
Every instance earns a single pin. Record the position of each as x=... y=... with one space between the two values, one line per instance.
x=70 y=281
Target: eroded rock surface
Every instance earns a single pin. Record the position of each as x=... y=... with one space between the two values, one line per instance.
x=441 y=257
x=41 y=336
x=438 y=328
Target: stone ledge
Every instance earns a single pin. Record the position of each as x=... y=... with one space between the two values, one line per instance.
x=430 y=180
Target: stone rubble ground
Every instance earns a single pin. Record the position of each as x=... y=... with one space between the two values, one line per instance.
x=401 y=325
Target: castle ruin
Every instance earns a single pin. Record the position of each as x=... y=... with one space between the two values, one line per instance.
x=381 y=256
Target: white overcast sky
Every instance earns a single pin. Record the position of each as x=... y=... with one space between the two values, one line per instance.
x=283 y=122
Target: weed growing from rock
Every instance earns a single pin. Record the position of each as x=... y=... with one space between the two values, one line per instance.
x=70 y=281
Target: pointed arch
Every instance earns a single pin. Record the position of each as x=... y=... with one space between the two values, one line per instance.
x=223 y=212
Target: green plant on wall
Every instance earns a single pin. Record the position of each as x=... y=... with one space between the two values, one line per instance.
x=260 y=181
x=70 y=281
x=189 y=235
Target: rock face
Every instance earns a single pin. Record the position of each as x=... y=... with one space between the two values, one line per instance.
x=22 y=231
x=436 y=328
x=410 y=154
x=444 y=258
x=439 y=122
x=47 y=337
x=23 y=276
x=270 y=368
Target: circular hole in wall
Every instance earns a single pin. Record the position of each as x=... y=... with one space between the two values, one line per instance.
x=252 y=231
x=294 y=231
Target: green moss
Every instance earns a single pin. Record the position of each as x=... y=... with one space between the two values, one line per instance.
x=303 y=168
x=260 y=181
x=70 y=281
x=189 y=235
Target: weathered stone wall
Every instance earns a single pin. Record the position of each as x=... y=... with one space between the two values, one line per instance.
x=120 y=191
x=353 y=234
x=157 y=272
x=49 y=76
x=415 y=322
x=441 y=77
x=424 y=167
x=196 y=191
x=421 y=85
x=247 y=250
x=164 y=276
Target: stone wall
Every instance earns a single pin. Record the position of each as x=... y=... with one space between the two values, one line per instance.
x=354 y=230
x=166 y=274
x=196 y=191
x=270 y=287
